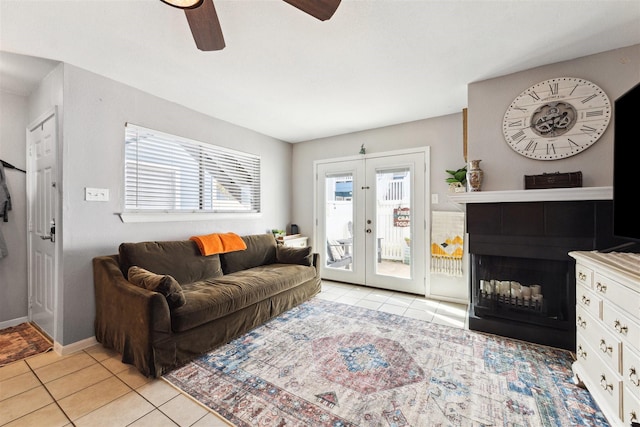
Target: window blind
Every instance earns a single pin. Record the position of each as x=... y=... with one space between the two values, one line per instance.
x=167 y=173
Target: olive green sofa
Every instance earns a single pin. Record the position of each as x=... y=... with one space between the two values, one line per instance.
x=222 y=297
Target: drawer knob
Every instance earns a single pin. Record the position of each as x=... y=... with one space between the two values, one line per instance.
x=582 y=276
x=585 y=300
x=621 y=329
x=633 y=416
x=633 y=377
x=582 y=323
x=601 y=288
x=581 y=352
x=605 y=348
x=604 y=384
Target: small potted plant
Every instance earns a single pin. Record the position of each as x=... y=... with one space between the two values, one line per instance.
x=457 y=180
x=279 y=234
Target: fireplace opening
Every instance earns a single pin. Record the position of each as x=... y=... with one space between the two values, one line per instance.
x=532 y=291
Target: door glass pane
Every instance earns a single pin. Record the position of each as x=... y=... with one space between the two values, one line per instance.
x=393 y=222
x=339 y=220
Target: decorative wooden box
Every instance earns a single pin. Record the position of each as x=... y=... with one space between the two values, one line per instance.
x=553 y=180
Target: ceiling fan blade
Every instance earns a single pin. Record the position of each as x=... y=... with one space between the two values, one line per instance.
x=320 y=9
x=205 y=27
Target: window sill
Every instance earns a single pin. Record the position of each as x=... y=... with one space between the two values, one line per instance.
x=133 y=217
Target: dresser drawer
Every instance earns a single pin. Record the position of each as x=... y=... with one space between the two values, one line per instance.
x=584 y=353
x=584 y=276
x=630 y=408
x=631 y=372
x=602 y=380
x=622 y=296
x=602 y=342
x=607 y=346
x=583 y=320
x=589 y=301
x=621 y=324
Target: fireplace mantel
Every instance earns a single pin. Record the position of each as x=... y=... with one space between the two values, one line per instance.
x=552 y=194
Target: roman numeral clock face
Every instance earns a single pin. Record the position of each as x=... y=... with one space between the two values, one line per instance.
x=556 y=118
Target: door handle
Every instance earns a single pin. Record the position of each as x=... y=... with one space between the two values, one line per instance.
x=52 y=232
x=368 y=230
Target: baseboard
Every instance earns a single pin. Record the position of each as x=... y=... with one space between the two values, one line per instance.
x=74 y=347
x=13 y=322
x=455 y=300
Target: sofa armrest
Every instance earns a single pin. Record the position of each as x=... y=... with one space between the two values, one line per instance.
x=129 y=319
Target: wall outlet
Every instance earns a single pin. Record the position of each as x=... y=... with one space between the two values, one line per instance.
x=96 y=194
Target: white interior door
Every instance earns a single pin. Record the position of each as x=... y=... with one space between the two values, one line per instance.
x=43 y=205
x=371 y=220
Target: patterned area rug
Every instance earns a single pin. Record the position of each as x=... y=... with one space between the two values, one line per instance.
x=21 y=341
x=330 y=364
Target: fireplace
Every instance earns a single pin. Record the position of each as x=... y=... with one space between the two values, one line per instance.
x=522 y=279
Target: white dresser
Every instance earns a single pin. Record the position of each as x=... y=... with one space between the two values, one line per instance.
x=608 y=332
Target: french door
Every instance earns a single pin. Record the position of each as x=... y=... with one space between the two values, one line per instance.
x=371 y=220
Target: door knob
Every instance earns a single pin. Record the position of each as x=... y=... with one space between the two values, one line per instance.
x=52 y=232
x=368 y=230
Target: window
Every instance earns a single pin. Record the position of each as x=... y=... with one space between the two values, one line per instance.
x=166 y=173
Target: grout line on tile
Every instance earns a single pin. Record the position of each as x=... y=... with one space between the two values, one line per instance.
x=49 y=393
x=182 y=392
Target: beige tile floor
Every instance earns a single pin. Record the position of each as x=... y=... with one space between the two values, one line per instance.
x=93 y=388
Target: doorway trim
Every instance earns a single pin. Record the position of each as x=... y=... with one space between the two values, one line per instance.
x=423 y=150
x=51 y=114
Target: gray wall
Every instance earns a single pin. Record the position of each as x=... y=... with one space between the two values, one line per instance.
x=614 y=71
x=442 y=134
x=13 y=268
x=95 y=111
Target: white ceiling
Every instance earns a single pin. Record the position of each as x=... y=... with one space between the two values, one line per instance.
x=290 y=76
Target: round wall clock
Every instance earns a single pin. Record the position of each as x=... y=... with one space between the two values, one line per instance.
x=556 y=118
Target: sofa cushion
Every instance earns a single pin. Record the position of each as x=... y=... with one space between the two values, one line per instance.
x=261 y=250
x=291 y=255
x=180 y=259
x=211 y=299
x=161 y=283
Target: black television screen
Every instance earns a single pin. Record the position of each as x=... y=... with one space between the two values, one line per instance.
x=626 y=166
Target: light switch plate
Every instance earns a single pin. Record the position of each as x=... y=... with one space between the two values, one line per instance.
x=96 y=194
x=434 y=198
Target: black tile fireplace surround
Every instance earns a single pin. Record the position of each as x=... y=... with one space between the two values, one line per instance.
x=527 y=243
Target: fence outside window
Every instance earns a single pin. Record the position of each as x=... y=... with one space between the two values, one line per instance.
x=167 y=173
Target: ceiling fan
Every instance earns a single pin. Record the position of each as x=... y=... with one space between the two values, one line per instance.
x=205 y=27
